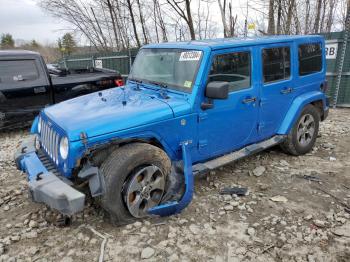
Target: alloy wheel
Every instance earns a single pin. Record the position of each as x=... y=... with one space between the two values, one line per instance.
x=306 y=129
x=144 y=190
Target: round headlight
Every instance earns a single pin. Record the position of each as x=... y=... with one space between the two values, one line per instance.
x=64 y=147
x=39 y=125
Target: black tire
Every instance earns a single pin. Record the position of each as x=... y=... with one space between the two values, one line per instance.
x=118 y=169
x=293 y=145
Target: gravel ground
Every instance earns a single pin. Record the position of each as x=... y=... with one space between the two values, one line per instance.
x=284 y=217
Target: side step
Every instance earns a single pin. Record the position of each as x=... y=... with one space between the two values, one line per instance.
x=231 y=157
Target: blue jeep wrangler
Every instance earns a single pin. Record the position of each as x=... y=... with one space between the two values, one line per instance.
x=186 y=109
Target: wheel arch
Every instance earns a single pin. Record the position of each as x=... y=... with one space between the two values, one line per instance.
x=107 y=147
x=316 y=98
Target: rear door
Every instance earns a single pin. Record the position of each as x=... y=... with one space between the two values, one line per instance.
x=24 y=90
x=277 y=86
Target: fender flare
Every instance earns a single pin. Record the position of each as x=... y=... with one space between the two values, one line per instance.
x=84 y=150
x=297 y=106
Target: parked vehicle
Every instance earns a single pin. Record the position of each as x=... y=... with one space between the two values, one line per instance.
x=187 y=108
x=26 y=86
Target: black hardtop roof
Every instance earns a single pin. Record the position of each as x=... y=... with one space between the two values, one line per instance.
x=18 y=53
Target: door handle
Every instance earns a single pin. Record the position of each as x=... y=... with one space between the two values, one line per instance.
x=287 y=90
x=249 y=100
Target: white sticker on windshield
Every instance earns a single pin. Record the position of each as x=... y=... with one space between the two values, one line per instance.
x=190 y=56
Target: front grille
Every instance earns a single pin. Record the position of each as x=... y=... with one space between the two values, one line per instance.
x=49 y=141
x=47 y=162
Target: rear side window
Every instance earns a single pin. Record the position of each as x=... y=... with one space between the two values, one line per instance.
x=310 y=59
x=14 y=71
x=276 y=64
x=233 y=68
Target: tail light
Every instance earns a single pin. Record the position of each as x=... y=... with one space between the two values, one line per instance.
x=324 y=86
x=119 y=82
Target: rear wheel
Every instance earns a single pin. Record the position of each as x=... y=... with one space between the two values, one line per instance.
x=302 y=137
x=135 y=177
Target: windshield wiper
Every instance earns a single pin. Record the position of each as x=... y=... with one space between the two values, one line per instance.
x=163 y=89
x=158 y=84
x=138 y=82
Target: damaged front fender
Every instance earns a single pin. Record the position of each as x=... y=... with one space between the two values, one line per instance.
x=175 y=207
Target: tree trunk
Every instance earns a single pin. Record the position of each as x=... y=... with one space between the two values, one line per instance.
x=323 y=15
x=330 y=15
x=271 y=24
x=307 y=17
x=223 y=17
x=142 y=21
x=279 y=16
x=318 y=15
x=190 y=21
x=161 y=22
x=296 y=20
x=289 y=16
x=133 y=23
x=233 y=21
x=110 y=9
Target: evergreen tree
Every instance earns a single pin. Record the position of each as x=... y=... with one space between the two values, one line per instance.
x=7 y=41
x=66 y=44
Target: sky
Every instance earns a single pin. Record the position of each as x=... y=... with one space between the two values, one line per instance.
x=26 y=21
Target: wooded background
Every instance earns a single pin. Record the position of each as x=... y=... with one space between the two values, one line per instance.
x=113 y=25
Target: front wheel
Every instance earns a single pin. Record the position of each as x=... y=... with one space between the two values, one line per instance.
x=135 y=178
x=302 y=137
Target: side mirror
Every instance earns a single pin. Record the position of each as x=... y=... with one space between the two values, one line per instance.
x=217 y=90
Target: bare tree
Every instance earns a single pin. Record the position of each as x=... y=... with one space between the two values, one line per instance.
x=129 y=4
x=279 y=16
x=222 y=8
x=232 y=20
x=329 y=23
x=289 y=16
x=184 y=12
x=142 y=21
x=271 y=21
x=122 y=24
x=318 y=15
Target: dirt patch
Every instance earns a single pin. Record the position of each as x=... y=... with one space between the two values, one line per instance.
x=307 y=220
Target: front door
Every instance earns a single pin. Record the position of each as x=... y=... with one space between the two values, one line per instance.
x=232 y=122
x=277 y=89
x=24 y=90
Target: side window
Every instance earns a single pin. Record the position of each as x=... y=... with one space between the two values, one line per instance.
x=233 y=68
x=310 y=59
x=14 y=71
x=276 y=64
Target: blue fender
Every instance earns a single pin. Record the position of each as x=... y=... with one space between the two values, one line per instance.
x=176 y=207
x=297 y=106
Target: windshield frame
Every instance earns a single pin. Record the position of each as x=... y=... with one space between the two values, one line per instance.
x=169 y=86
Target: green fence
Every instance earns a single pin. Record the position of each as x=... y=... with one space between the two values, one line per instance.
x=335 y=41
x=122 y=61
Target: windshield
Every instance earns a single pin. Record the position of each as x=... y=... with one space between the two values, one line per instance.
x=173 y=68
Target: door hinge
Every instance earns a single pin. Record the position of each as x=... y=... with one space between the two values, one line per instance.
x=261 y=102
x=202 y=116
x=260 y=126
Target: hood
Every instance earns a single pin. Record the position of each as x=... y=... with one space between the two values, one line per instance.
x=113 y=110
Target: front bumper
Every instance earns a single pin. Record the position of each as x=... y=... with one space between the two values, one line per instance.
x=44 y=186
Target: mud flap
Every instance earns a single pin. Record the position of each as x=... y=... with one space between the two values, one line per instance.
x=175 y=207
